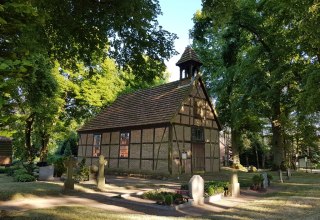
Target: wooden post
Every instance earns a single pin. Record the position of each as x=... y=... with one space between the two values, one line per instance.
x=170 y=150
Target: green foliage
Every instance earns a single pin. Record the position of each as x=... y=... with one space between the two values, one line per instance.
x=162 y=196
x=10 y=170
x=262 y=86
x=59 y=167
x=184 y=186
x=2 y=169
x=82 y=172
x=215 y=187
x=252 y=169
x=24 y=177
x=168 y=199
x=56 y=75
x=257 y=180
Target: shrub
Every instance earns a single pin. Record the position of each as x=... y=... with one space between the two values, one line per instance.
x=257 y=181
x=59 y=168
x=238 y=166
x=19 y=172
x=24 y=177
x=219 y=186
x=184 y=186
x=168 y=199
x=10 y=170
x=82 y=172
x=252 y=169
x=2 y=169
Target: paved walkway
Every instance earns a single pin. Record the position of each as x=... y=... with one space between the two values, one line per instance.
x=127 y=187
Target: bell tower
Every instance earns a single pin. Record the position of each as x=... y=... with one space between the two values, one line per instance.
x=189 y=64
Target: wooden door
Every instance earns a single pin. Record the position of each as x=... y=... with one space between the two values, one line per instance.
x=198 y=157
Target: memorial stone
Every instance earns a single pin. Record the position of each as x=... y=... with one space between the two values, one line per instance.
x=265 y=183
x=280 y=176
x=196 y=189
x=288 y=173
x=234 y=186
x=101 y=178
x=70 y=163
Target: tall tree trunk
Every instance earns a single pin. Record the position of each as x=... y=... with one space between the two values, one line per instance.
x=277 y=136
x=257 y=156
x=28 y=144
x=235 y=141
x=44 y=146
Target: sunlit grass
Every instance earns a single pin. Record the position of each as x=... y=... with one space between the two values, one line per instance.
x=80 y=212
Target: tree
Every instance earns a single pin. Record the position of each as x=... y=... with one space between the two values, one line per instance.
x=259 y=41
x=55 y=74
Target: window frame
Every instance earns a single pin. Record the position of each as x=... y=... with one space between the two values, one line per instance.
x=124 y=146
x=96 y=148
x=197 y=134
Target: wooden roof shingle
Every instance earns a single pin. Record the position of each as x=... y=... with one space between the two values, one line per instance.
x=144 y=107
x=188 y=55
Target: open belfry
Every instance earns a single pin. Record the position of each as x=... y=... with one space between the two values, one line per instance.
x=168 y=129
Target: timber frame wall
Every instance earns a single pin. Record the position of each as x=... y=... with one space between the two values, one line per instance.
x=158 y=148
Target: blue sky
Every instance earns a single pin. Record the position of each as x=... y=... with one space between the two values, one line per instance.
x=177 y=18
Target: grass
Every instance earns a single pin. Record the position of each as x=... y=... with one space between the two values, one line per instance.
x=10 y=190
x=297 y=198
x=80 y=212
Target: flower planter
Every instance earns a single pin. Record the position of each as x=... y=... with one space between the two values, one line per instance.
x=214 y=198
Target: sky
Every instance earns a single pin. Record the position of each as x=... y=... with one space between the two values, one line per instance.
x=177 y=18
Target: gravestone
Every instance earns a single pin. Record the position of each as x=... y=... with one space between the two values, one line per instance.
x=288 y=173
x=196 y=189
x=265 y=183
x=70 y=163
x=234 y=186
x=101 y=178
x=46 y=173
x=280 y=176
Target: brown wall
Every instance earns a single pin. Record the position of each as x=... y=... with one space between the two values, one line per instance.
x=183 y=122
x=148 y=150
x=158 y=149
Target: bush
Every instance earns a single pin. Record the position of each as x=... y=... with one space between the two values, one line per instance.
x=83 y=171
x=10 y=170
x=238 y=166
x=19 y=172
x=184 y=186
x=215 y=187
x=2 y=169
x=257 y=181
x=59 y=168
x=24 y=177
x=168 y=199
x=252 y=169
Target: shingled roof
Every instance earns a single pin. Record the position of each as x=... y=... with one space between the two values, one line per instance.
x=188 y=55
x=144 y=107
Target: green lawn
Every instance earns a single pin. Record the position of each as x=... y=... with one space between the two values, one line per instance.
x=297 y=198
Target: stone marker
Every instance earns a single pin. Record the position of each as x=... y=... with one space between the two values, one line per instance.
x=288 y=173
x=101 y=178
x=234 y=186
x=265 y=183
x=46 y=173
x=70 y=163
x=196 y=189
x=280 y=176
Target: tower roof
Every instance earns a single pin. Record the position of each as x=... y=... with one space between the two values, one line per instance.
x=188 y=55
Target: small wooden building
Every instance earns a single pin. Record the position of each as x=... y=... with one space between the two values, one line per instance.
x=5 y=151
x=168 y=129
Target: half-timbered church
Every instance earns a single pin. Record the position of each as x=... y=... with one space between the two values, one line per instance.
x=168 y=129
